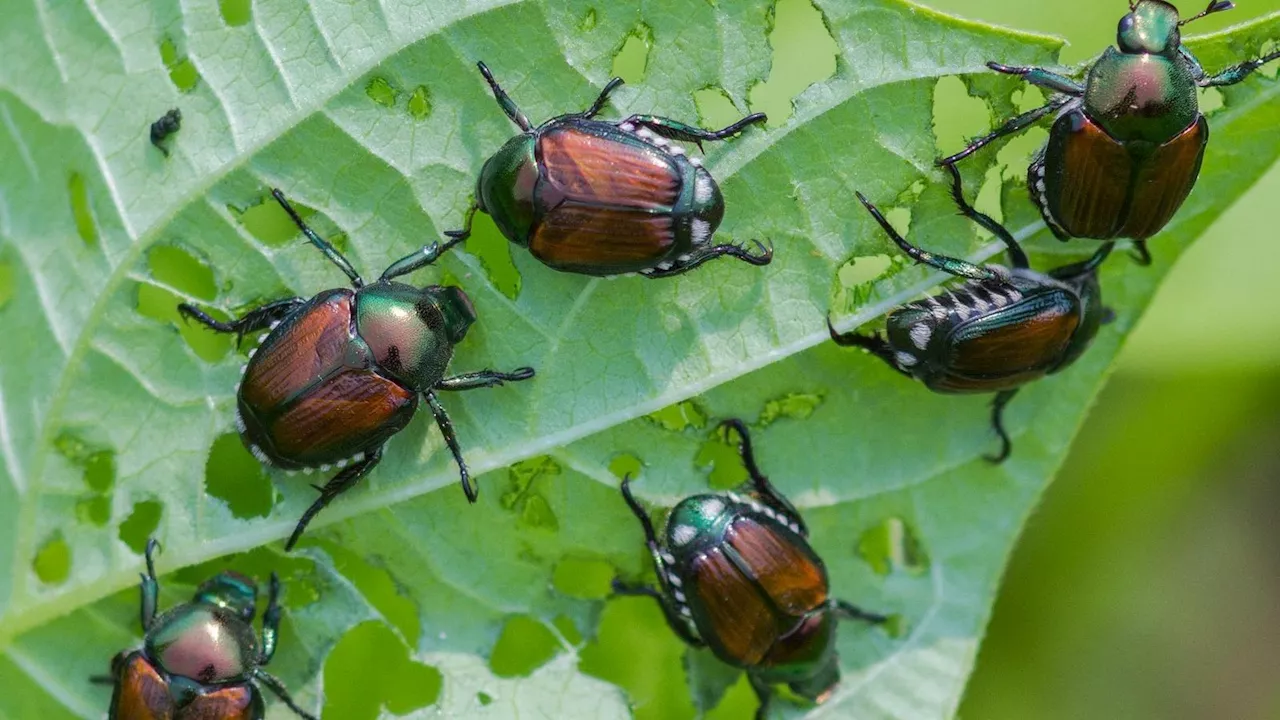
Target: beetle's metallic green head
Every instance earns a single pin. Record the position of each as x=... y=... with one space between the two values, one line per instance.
x=232 y=592
x=1152 y=26
x=411 y=331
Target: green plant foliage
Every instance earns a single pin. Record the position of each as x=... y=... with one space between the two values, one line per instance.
x=108 y=414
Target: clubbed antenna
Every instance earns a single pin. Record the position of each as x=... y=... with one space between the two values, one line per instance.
x=1214 y=6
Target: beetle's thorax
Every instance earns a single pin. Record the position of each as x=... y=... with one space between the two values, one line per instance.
x=1141 y=96
x=506 y=187
x=206 y=643
x=411 y=331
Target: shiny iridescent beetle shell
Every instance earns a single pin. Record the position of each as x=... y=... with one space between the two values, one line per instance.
x=200 y=660
x=1004 y=327
x=337 y=375
x=606 y=198
x=736 y=574
x=1126 y=146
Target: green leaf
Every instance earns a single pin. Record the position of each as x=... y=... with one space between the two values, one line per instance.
x=113 y=418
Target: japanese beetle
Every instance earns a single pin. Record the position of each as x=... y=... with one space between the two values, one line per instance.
x=736 y=574
x=1001 y=329
x=1126 y=146
x=606 y=198
x=168 y=124
x=337 y=375
x=200 y=660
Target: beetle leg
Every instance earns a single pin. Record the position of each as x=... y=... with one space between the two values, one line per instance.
x=764 y=692
x=873 y=344
x=679 y=625
x=1236 y=73
x=421 y=258
x=504 y=101
x=339 y=484
x=676 y=130
x=325 y=247
x=1140 y=253
x=1012 y=126
x=1017 y=257
x=601 y=99
x=849 y=611
x=759 y=482
x=149 y=587
x=275 y=686
x=252 y=321
x=953 y=266
x=450 y=439
x=1041 y=78
x=997 y=421
x=483 y=379
x=117 y=663
x=270 y=623
x=696 y=258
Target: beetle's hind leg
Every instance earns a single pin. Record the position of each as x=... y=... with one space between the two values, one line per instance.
x=997 y=422
x=676 y=130
x=451 y=439
x=601 y=99
x=1236 y=73
x=759 y=482
x=275 y=686
x=1010 y=127
x=339 y=484
x=484 y=379
x=252 y=321
x=873 y=344
x=685 y=263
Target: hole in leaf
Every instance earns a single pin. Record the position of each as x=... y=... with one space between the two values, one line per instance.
x=236 y=12
x=796 y=406
x=893 y=546
x=381 y=91
x=7 y=281
x=524 y=646
x=52 y=563
x=585 y=578
x=856 y=280
x=715 y=108
x=804 y=53
x=739 y=701
x=178 y=269
x=484 y=698
x=710 y=679
x=235 y=477
x=99 y=473
x=958 y=117
x=86 y=227
x=588 y=22
x=522 y=496
x=632 y=59
x=378 y=586
x=636 y=650
x=720 y=452
x=141 y=524
x=420 y=103
x=678 y=417
x=626 y=465
x=94 y=509
x=568 y=630
x=494 y=252
x=369 y=669
x=182 y=72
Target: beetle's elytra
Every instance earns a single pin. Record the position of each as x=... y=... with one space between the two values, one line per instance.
x=736 y=573
x=200 y=660
x=337 y=375
x=606 y=198
x=1125 y=148
x=1002 y=328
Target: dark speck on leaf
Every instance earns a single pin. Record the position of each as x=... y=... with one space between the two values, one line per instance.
x=168 y=124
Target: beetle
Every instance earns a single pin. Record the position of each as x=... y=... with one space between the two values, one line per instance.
x=1125 y=148
x=200 y=660
x=1001 y=329
x=167 y=125
x=606 y=198
x=339 y=374
x=736 y=574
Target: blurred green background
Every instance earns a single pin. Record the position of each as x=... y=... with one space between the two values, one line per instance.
x=1148 y=582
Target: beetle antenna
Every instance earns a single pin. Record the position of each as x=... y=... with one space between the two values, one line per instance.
x=1214 y=7
x=504 y=101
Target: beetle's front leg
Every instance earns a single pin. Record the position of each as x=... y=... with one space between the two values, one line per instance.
x=339 y=484
x=1236 y=73
x=254 y=320
x=425 y=256
x=1041 y=78
x=149 y=588
x=270 y=623
x=483 y=379
x=759 y=482
x=676 y=130
x=680 y=266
